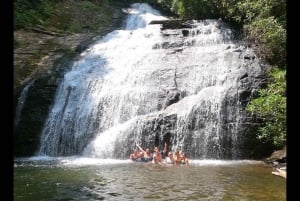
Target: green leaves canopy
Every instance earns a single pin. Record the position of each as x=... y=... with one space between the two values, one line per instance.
x=270 y=106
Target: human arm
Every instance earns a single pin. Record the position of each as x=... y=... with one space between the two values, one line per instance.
x=140 y=147
x=165 y=148
x=164 y=151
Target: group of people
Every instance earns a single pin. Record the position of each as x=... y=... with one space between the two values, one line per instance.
x=157 y=157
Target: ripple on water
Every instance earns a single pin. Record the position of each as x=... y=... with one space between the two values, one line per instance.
x=218 y=180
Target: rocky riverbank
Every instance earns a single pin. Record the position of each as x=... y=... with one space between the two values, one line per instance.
x=278 y=161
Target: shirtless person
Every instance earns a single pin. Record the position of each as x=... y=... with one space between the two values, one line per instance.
x=135 y=156
x=184 y=159
x=177 y=158
x=157 y=158
x=147 y=156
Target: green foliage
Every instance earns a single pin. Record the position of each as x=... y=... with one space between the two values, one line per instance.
x=191 y=9
x=166 y=3
x=74 y=27
x=272 y=39
x=227 y=8
x=270 y=106
x=277 y=9
x=89 y=6
x=179 y=8
x=28 y=13
x=17 y=43
x=62 y=15
x=248 y=10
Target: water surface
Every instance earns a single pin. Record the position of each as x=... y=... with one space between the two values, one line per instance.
x=76 y=178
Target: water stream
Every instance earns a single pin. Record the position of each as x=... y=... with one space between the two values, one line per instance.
x=152 y=85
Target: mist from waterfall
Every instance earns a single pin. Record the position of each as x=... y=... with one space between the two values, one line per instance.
x=153 y=85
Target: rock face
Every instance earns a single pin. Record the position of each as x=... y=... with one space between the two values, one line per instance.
x=35 y=107
x=277 y=156
x=280 y=172
x=172 y=96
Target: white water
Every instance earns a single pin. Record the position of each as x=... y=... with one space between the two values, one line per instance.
x=21 y=103
x=117 y=90
x=75 y=161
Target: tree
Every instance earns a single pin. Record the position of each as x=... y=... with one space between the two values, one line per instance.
x=270 y=107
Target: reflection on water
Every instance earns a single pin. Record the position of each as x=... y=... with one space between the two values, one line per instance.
x=94 y=179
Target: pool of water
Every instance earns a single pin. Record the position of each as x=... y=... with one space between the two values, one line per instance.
x=76 y=178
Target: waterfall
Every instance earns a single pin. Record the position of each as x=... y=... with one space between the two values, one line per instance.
x=21 y=102
x=151 y=84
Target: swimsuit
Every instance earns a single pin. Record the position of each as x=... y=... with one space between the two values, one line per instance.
x=146 y=159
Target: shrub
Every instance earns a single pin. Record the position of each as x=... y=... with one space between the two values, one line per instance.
x=270 y=107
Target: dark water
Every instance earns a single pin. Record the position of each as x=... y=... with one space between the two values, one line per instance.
x=94 y=179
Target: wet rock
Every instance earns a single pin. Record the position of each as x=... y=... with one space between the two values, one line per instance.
x=173 y=96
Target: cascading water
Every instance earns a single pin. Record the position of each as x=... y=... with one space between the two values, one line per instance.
x=21 y=102
x=151 y=85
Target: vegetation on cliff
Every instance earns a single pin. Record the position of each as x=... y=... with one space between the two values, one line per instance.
x=67 y=16
x=38 y=25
